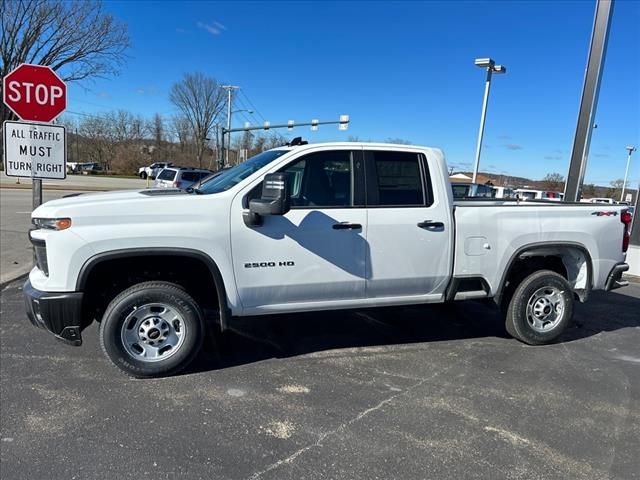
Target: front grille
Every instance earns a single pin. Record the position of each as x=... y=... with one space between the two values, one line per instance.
x=40 y=253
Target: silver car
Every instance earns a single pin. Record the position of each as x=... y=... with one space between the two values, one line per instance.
x=179 y=177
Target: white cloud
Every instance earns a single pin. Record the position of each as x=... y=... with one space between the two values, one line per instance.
x=215 y=28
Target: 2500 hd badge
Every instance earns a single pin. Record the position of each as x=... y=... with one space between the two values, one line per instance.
x=286 y=263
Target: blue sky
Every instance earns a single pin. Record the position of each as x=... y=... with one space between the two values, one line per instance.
x=399 y=69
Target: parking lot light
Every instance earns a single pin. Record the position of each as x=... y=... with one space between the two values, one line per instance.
x=490 y=65
x=630 y=149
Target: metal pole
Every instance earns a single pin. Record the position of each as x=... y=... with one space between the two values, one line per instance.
x=228 y=88
x=483 y=116
x=635 y=226
x=228 y=126
x=626 y=172
x=36 y=187
x=589 y=100
x=283 y=125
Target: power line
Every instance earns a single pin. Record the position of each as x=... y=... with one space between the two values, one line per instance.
x=250 y=112
x=253 y=106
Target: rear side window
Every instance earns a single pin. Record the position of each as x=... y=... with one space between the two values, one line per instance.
x=167 y=175
x=395 y=179
x=190 y=176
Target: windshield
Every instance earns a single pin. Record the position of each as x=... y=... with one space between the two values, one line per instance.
x=233 y=176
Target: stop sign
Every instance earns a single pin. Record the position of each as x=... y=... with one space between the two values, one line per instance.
x=34 y=92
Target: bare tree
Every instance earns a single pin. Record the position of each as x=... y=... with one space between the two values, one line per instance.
x=97 y=139
x=77 y=39
x=124 y=126
x=399 y=141
x=553 y=181
x=200 y=101
x=157 y=129
x=180 y=126
x=589 y=190
x=616 y=188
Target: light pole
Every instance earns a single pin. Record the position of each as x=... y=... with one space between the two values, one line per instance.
x=631 y=149
x=491 y=67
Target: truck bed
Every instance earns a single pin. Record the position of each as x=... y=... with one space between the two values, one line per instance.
x=490 y=233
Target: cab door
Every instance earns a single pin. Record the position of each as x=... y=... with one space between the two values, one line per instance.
x=315 y=252
x=409 y=233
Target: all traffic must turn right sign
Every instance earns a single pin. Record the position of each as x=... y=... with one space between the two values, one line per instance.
x=35 y=150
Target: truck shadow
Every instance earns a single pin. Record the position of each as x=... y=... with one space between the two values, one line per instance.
x=604 y=312
x=253 y=339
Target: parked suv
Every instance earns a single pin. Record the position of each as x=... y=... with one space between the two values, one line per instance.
x=178 y=177
x=152 y=170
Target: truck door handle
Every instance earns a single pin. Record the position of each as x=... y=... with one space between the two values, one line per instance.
x=346 y=226
x=430 y=225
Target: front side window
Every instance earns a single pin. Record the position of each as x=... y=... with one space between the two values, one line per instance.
x=322 y=179
x=397 y=180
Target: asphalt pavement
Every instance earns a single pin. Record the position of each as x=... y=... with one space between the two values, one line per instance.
x=77 y=182
x=437 y=392
x=15 y=213
x=16 y=253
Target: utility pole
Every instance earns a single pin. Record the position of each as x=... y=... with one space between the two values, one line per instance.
x=229 y=89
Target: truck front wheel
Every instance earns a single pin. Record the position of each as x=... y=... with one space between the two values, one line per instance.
x=540 y=309
x=152 y=329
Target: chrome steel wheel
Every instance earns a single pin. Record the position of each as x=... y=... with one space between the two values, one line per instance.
x=153 y=332
x=545 y=309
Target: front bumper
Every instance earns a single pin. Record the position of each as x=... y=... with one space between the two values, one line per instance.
x=614 y=280
x=58 y=312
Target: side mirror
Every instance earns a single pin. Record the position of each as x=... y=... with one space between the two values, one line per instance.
x=275 y=199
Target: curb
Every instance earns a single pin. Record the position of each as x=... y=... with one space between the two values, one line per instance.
x=20 y=275
x=631 y=278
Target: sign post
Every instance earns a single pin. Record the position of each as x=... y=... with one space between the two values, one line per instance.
x=36 y=150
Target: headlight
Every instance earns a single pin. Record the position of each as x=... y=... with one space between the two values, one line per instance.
x=52 y=223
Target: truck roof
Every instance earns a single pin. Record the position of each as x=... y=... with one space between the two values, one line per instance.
x=391 y=146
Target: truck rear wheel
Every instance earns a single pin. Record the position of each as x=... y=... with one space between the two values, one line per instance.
x=143 y=175
x=540 y=309
x=152 y=329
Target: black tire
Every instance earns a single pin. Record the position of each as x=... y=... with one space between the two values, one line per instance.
x=533 y=313
x=143 y=175
x=178 y=337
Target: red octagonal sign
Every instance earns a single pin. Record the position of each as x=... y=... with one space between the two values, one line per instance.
x=34 y=92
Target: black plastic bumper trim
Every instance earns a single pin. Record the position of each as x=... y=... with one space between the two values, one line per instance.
x=57 y=312
x=614 y=280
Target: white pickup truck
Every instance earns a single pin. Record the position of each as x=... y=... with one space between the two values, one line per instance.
x=302 y=228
